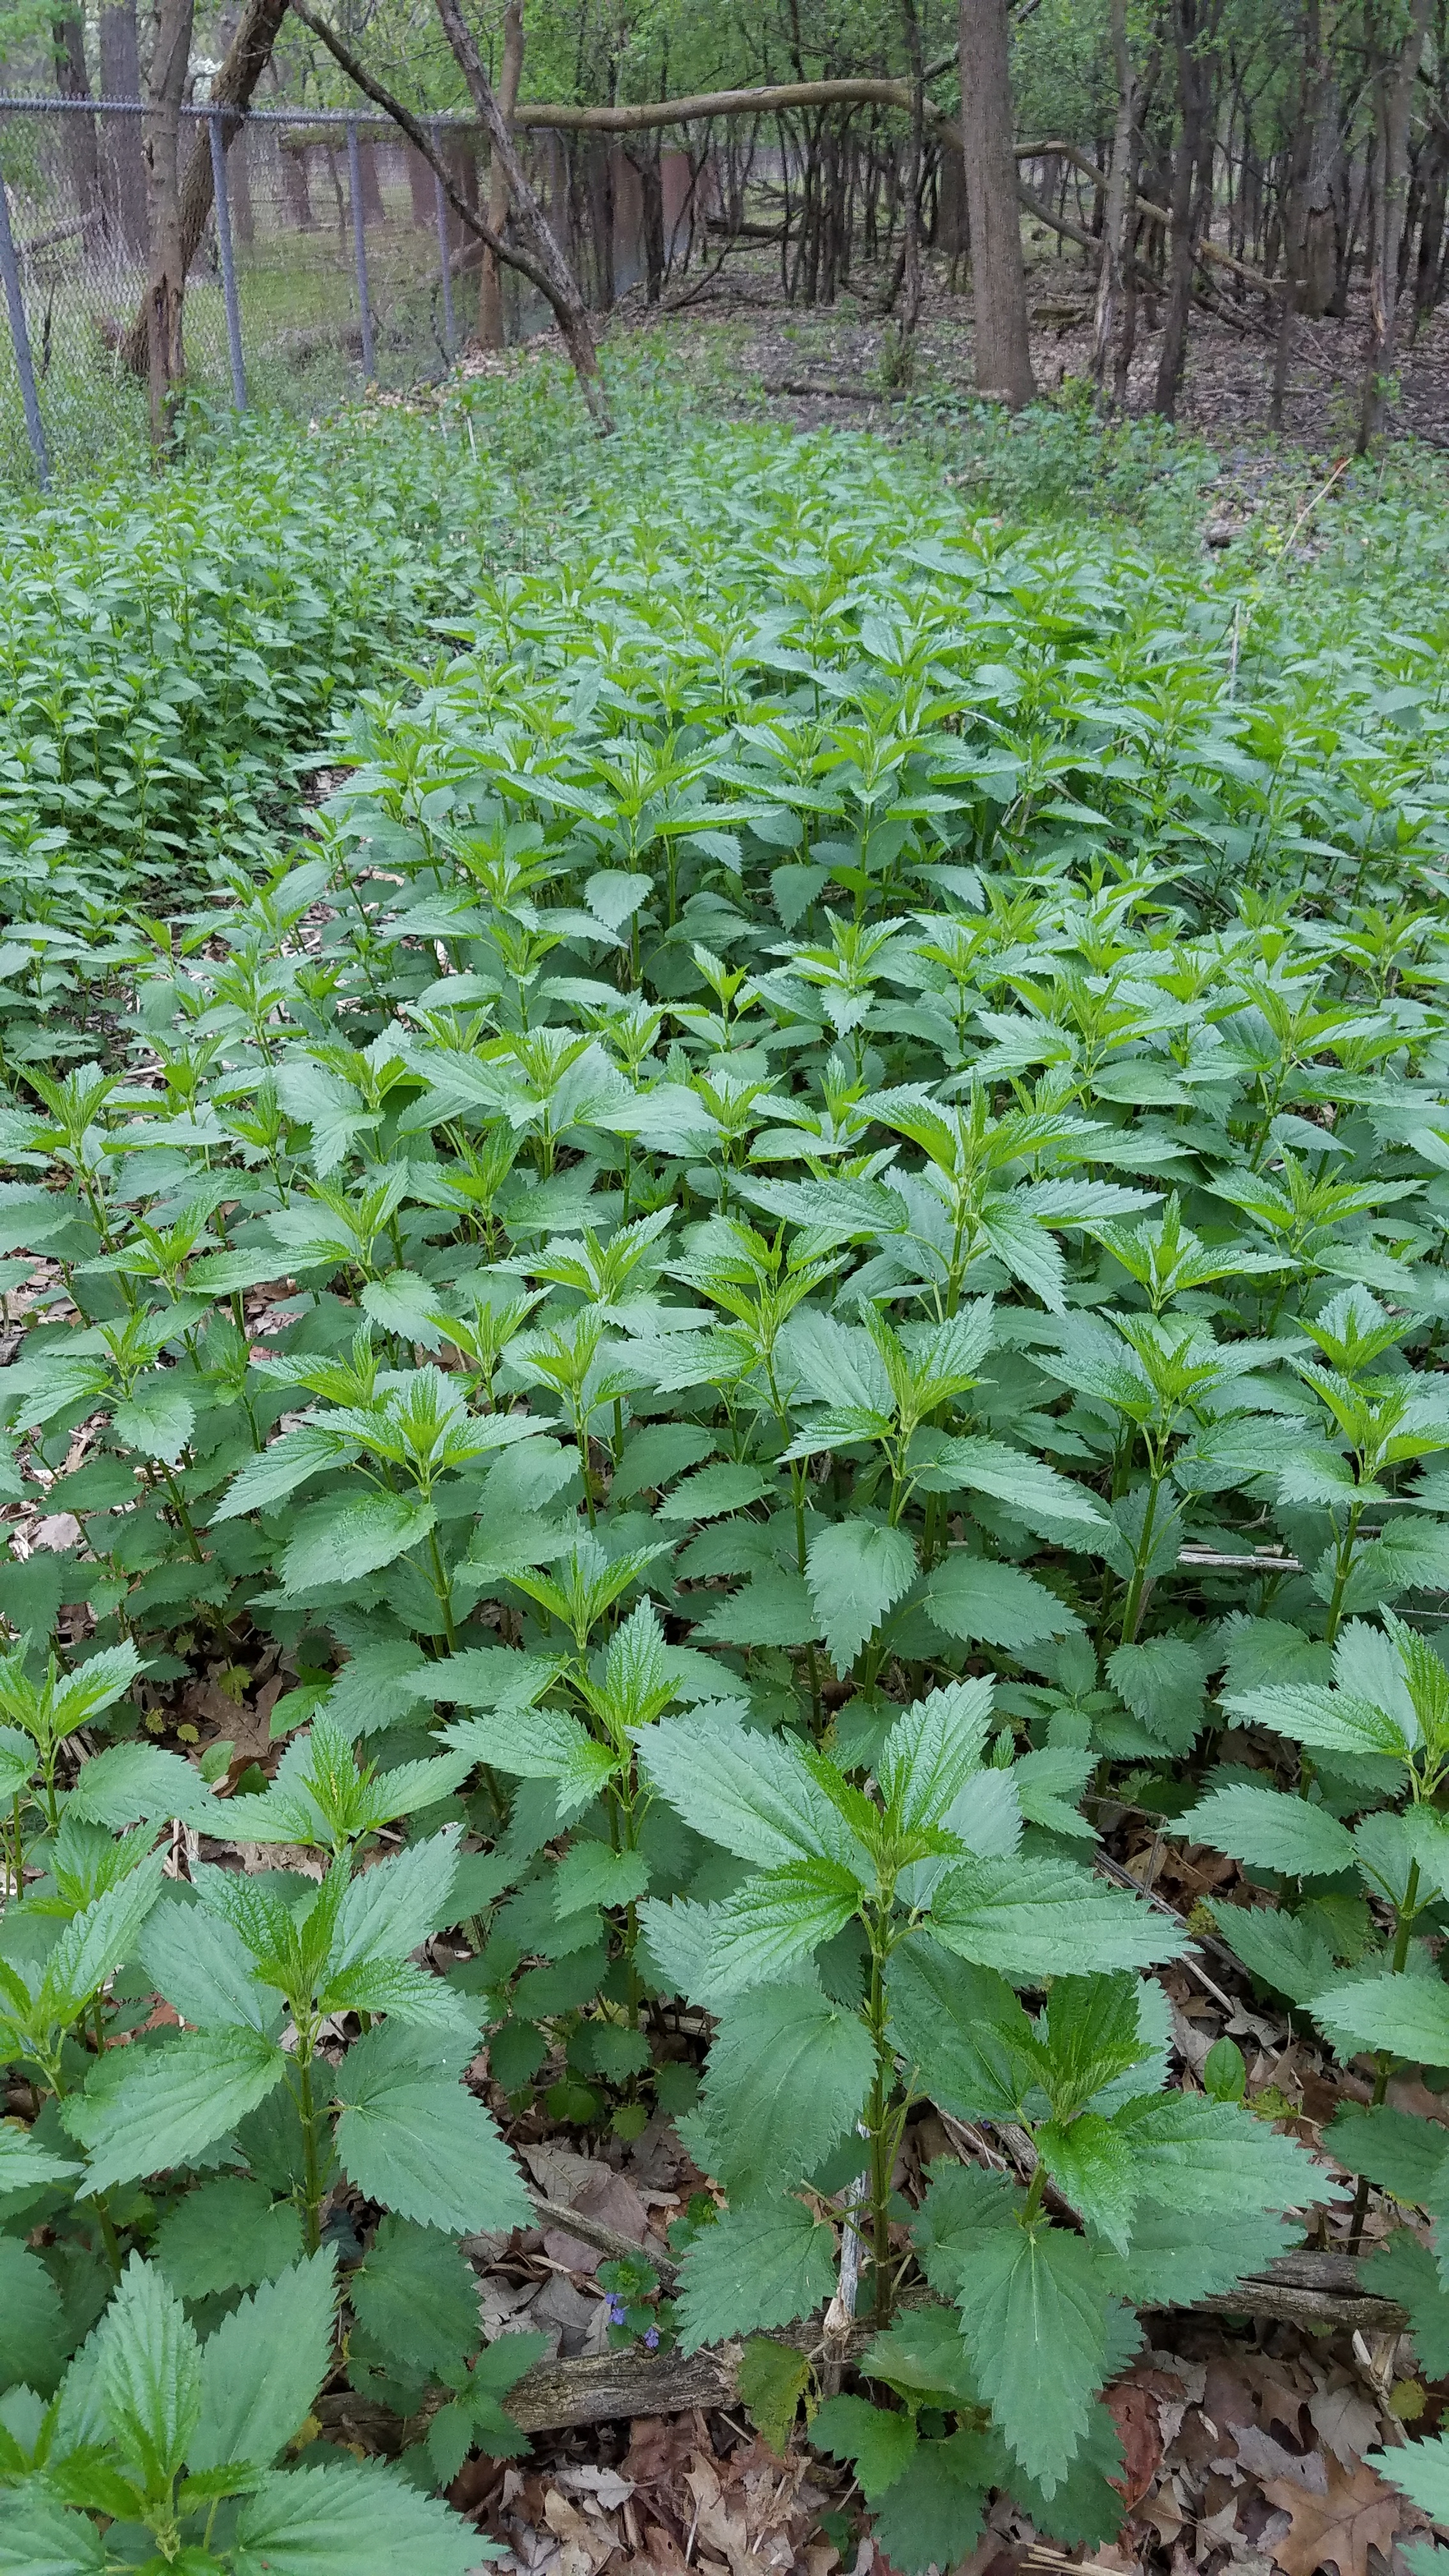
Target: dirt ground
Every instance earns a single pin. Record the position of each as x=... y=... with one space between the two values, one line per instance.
x=824 y=366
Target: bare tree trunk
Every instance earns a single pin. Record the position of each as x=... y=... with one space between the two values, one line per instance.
x=552 y=280
x=124 y=179
x=160 y=151
x=1319 y=254
x=490 y=290
x=910 y=313
x=1395 y=70
x=68 y=41
x=247 y=57
x=1003 y=348
x=1115 y=217
x=568 y=304
x=296 y=183
x=648 y=170
x=1431 y=236
x=1192 y=25
x=1298 y=216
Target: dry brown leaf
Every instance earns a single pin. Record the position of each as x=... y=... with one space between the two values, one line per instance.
x=1261 y=2457
x=605 y=2195
x=1132 y=2405
x=1357 y=2513
x=720 y=2530
x=1345 y=2422
x=588 y=2541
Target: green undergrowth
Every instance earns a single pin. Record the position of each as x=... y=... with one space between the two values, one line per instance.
x=792 y=1259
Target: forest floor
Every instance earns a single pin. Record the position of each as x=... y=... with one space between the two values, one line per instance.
x=827 y=364
x=827 y=367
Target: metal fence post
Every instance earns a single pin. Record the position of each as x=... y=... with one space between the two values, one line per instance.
x=359 y=244
x=19 y=333
x=228 y=264
x=449 y=333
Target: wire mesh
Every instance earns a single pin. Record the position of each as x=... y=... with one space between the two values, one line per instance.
x=345 y=260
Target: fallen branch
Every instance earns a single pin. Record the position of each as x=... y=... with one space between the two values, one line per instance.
x=776 y=100
x=1310 y=2290
x=638 y=118
x=603 y=2238
x=601 y=2388
x=1253 y=277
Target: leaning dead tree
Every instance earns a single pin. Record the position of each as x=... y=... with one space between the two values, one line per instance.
x=542 y=263
x=562 y=287
x=490 y=291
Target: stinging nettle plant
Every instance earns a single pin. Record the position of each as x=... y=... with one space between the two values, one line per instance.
x=819 y=1200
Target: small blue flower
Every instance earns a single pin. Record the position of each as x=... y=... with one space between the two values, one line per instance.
x=651 y=2340
x=616 y=2310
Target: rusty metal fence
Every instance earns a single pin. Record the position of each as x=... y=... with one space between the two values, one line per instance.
x=331 y=260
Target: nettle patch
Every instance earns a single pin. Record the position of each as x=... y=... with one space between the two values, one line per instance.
x=774 y=1314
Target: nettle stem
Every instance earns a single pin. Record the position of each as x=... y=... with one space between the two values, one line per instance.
x=1403 y=1933
x=1132 y=1606
x=311 y=2160
x=1036 y=2193
x=1342 y=1571
x=881 y=2131
x=444 y=1590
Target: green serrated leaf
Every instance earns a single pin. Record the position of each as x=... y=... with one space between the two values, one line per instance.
x=141 y=2113
x=225 y=2235
x=413 y=2139
x=959 y=2030
x=787 y=2077
x=856 y=1570
x=416 y=2297
x=1271 y=1831
x=264 y=2364
x=770 y=2381
x=338 y=1542
x=934 y=2516
x=881 y=2445
x=763 y=2265
x=351 y=2518
x=985 y=1603
x=148 y=2375
x=1037 y=1919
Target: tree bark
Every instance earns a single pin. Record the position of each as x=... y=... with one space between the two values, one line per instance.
x=1319 y=253
x=246 y=59
x=68 y=41
x=1193 y=24
x=160 y=153
x=911 y=266
x=563 y=290
x=1003 y=349
x=1431 y=235
x=1297 y=217
x=1116 y=216
x=1395 y=70
x=490 y=288
x=123 y=176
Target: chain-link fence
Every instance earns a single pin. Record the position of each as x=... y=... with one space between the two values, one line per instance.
x=331 y=259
